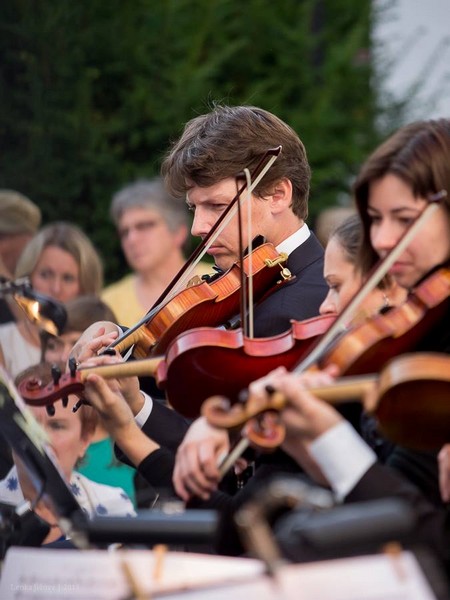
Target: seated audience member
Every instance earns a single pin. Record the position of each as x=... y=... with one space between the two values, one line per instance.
x=69 y=436
x=20 y=219
x=153 y=228
x=62 y=263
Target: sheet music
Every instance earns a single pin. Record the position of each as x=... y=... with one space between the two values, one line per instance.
x=40 y=574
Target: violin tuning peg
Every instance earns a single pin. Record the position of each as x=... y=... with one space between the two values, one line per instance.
x=73 y=365
x=50 y=410
x=56 y=374
x=80 y=403
x=65 y=401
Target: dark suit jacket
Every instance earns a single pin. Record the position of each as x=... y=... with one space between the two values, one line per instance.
x=298 y=299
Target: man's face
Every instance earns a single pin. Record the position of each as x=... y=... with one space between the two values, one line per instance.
x=207 y=205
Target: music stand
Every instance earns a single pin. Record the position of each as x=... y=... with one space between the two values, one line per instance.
x=28 y=440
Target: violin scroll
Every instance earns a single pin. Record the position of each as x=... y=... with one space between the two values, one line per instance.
x=220 y=413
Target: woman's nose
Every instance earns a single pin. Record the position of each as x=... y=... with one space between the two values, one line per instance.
x=328 y=306
x=56 y=288
x=384 y=237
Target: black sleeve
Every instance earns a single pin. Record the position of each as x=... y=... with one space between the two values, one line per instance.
x=164 y=426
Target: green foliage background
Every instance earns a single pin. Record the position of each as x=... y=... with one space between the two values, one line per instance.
x=92 y=92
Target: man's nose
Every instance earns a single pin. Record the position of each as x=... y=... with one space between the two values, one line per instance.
x=201 y=225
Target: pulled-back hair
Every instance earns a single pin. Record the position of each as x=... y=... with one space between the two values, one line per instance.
x=220 y=144
x=419 y=154
x=349 y=235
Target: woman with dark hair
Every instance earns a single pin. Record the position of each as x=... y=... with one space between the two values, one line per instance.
x=345 y=277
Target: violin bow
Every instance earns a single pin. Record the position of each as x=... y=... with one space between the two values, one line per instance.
x=186 y=270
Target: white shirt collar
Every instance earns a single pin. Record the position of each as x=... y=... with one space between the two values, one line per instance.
x=295 y=240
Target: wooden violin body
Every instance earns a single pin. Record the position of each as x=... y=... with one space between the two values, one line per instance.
x=206 y=361
x=206 y=304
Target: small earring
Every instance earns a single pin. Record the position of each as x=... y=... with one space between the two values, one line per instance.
x=386 y=304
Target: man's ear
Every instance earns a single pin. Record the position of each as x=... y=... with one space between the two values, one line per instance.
x=281 y=197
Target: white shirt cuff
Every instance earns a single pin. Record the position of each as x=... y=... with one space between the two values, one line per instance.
x=343 y=457
x=145 y=411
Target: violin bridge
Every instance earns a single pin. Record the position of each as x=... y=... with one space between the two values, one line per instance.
x=195 y=280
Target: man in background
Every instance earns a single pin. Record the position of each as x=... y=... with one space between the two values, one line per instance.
x=20 y=219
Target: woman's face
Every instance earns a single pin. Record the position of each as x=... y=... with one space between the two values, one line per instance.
x=392 y=208
x=341 y=276
x=65 y=433
x=56 y=274
x=344 y=281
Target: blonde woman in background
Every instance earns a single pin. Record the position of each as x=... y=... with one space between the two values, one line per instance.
x=62 y=263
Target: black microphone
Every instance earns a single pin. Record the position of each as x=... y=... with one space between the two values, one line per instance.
x=150 y=527
x=346 y=530
x=46 y=312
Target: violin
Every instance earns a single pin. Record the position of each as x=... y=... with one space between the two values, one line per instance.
x=192 y=360
x=370 y=345
x=45 y=384
x=409 y=398
x=207 y=303
x=41 y=387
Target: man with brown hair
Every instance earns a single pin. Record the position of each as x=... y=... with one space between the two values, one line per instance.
x=206 y=164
